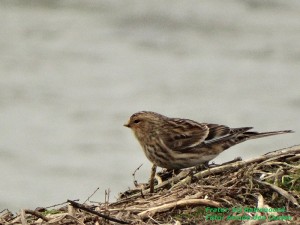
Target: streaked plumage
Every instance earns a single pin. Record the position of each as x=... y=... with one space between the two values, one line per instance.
x=175 y=143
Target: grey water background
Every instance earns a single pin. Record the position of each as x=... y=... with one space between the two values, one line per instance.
x=72 y=73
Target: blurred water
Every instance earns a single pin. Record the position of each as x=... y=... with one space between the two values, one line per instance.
x=72 y=72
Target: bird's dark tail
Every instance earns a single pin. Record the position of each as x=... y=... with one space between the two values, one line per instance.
x=254 y=135
x=240 y=135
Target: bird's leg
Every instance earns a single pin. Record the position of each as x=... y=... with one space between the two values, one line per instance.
x=202 y=166
x=196 y=169
x=153 y=171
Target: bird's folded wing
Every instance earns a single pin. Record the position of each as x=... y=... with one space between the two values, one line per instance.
x=183 y=134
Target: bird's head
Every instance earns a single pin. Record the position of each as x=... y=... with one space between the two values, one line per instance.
x=144 y=122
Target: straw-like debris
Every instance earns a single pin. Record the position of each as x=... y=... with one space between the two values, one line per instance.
x=263 y=190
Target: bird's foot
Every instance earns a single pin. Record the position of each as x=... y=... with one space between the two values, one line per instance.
x=204 y=166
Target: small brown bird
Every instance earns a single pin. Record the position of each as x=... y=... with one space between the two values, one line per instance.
x=175 y=143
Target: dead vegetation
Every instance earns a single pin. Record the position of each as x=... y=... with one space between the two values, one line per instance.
x=263 y=190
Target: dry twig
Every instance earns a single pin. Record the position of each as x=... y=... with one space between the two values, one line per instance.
x=80 y=206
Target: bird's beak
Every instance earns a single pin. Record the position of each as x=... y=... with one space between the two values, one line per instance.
x=126 y=125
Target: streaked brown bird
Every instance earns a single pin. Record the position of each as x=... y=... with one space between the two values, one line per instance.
x=175 y=143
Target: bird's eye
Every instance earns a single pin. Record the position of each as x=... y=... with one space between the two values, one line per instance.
x=136 y=121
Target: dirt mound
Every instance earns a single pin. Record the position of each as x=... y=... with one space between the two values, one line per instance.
x=263 y=190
